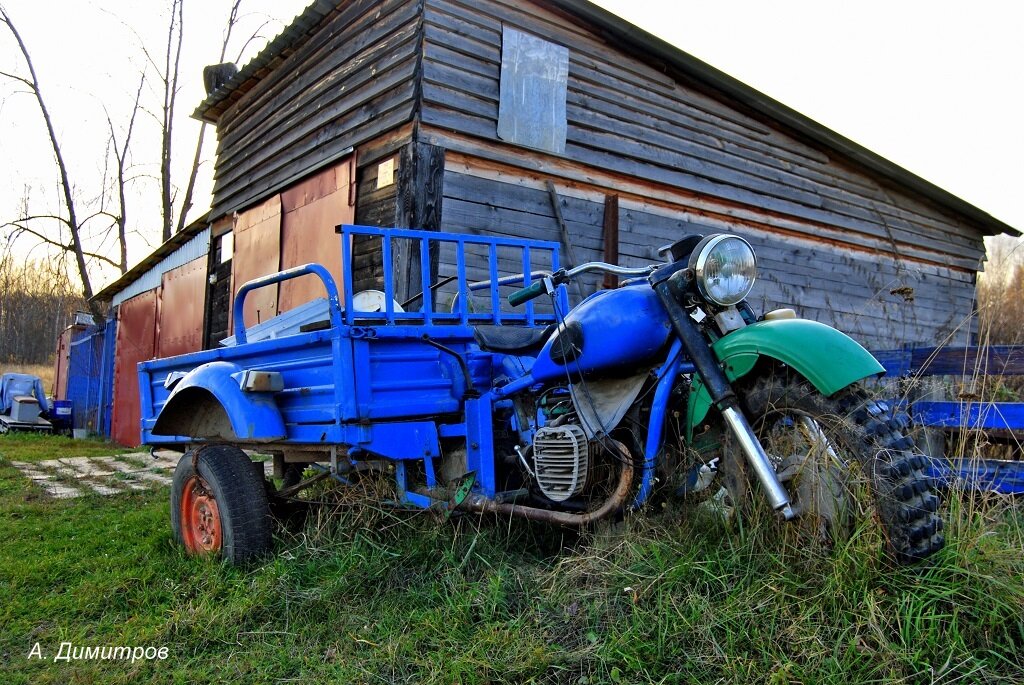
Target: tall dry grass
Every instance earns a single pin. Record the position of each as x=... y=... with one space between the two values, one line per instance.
x=44 y=371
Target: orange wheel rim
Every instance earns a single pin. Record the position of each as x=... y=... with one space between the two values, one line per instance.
x=200 y=517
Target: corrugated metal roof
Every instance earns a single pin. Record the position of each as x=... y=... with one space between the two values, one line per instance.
x=143 y=277
x=628 y=37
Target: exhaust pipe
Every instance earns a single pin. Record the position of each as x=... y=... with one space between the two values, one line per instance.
x=562 y=518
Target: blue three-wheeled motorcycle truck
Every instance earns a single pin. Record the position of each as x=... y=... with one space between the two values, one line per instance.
x=484 y=391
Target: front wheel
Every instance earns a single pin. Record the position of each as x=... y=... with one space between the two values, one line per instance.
x=842 y=458
x=219 y=504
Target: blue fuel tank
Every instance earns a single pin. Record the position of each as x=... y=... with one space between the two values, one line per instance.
x=609 y=331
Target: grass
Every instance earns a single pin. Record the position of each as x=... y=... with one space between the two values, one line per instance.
x=32 y=447
x=358 y=594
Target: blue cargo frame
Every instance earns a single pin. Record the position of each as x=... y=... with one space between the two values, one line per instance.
x=390 y=384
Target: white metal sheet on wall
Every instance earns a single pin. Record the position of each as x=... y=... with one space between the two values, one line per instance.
x=198 y=247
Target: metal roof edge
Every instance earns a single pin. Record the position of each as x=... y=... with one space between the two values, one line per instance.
x=152 y=259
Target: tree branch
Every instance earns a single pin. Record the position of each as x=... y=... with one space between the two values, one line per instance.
x=186 y=203
x=69 y=202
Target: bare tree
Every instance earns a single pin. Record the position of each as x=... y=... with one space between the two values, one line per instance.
x=168 y=74
x=119 y=151
x=70 y=218
x=186 y=203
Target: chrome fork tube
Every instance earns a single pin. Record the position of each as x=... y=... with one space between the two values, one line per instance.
x=667 y=282
x=758 y=460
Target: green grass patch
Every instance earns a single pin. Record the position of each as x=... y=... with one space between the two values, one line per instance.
x=360 y=594
x=23 y=446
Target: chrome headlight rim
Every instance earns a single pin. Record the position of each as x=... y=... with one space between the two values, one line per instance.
x=699 y=262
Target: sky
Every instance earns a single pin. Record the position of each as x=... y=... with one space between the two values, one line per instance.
x=935 y=86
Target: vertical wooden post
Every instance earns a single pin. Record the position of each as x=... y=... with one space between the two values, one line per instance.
x=418 y=206
x=611 y=238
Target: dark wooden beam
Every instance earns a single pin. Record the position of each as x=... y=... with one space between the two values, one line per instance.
x=611 y=238
x=418 y=206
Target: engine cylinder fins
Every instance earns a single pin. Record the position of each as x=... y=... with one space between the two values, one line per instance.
x=561 y=456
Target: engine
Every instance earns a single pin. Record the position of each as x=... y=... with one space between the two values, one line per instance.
x=561 y=456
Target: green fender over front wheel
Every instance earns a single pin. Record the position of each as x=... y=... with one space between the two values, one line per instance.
x=829 y=359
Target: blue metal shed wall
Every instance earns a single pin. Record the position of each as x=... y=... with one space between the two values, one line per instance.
x=90 y=385
x=107 y=376
x=84 y=377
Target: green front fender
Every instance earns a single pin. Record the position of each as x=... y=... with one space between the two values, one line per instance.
x=830 y=360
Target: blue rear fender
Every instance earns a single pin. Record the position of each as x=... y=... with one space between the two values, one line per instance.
x=208 y=403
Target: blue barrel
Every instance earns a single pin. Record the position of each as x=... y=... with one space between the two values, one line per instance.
x=61 y=414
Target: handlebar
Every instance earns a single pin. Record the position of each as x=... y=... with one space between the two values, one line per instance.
x=532 y=291
x=535 y=290
x=333 y=301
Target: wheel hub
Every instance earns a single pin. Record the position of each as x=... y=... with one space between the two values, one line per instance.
x=200 y=518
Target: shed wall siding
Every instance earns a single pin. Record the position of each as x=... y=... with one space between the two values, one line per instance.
x=629 y=119
x=351 y=82
x=846 y=289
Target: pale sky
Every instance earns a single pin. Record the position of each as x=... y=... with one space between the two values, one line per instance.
x=935 y=86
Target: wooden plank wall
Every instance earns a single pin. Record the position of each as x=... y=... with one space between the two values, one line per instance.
x=350 y=83
x=843 y=237
x=823 y=282
x=627 y=117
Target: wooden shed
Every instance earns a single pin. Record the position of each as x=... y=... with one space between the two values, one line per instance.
x=555 y=119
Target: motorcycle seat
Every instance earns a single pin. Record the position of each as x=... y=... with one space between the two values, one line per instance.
x=511 y=339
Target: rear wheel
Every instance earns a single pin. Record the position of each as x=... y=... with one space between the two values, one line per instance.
x=843 y=459
x=219 y=504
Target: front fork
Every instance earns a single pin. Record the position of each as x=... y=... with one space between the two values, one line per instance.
x=720 y=390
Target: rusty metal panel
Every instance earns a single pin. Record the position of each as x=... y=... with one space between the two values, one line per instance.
x=136 y=342
x=257 y=252
x=180 y=309
x=311 y=210
x=193 y=249
x=61 y=363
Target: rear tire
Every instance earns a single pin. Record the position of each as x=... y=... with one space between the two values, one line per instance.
x=867 y=451
x=219 y=505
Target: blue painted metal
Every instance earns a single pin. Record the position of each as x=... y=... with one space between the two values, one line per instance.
x=106 y=389
x=85 y=379
x=992 y=475
x=984 y=475
x=621 y=328
x=254 y=416
x=1007 y=416
x=667 y=375
x=428 y=316
x=286 y=323
x=390 y=384
x=333 y=305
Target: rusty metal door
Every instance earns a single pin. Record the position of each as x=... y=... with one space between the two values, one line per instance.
x=310 y=211
x=180 y=309
x=136 y=342
x=257 y=253
x=60 y=376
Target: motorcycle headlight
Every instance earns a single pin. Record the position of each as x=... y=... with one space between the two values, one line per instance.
x=724 y=268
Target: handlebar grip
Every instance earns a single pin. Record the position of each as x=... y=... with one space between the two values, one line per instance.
x=532 y=291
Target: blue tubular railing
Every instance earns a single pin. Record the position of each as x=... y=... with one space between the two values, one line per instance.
x=462 y=309
x=970 y=472
x=333 y=302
